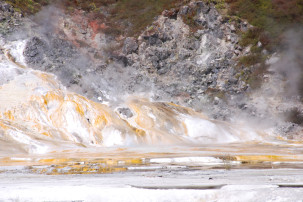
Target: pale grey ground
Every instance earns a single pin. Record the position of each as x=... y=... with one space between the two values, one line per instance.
x=200 y=185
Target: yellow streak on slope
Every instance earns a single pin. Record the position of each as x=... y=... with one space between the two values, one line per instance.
x=9 y=115
x=3 y=126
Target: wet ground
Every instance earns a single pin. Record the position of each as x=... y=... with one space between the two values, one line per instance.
x=59 y=146
x=158 y=185
x=234 y=172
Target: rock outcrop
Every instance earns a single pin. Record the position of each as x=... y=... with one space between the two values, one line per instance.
x=9 y=18
x=187 y=56
x=185 y=64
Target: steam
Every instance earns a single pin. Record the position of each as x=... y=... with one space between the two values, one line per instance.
x=281 y=92
x=47 y=19
x=290 y=64
x=99 y=74
x=49 y=48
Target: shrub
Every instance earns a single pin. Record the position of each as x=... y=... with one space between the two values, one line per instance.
x=28 y=7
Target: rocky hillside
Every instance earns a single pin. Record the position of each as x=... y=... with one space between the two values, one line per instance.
x=216 y=56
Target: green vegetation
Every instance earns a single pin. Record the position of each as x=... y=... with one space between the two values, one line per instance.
x=140 y=13
x=86 y=5
x=129 y=17
x=28 y=7
x=269 y=18
x=219 y=4
x=189 y=19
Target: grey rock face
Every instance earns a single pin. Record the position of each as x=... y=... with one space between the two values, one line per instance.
x=177 y=64
x=202 y=7
x=9 y=19
x=48 y=55
x=184 y=10
x=79 y=73
x=192 y=68
x=185 y=65
x=6 y=7
x=59 y=57
x=130 y=45
x=34 y=51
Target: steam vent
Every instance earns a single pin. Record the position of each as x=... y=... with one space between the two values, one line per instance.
x=151 y=100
